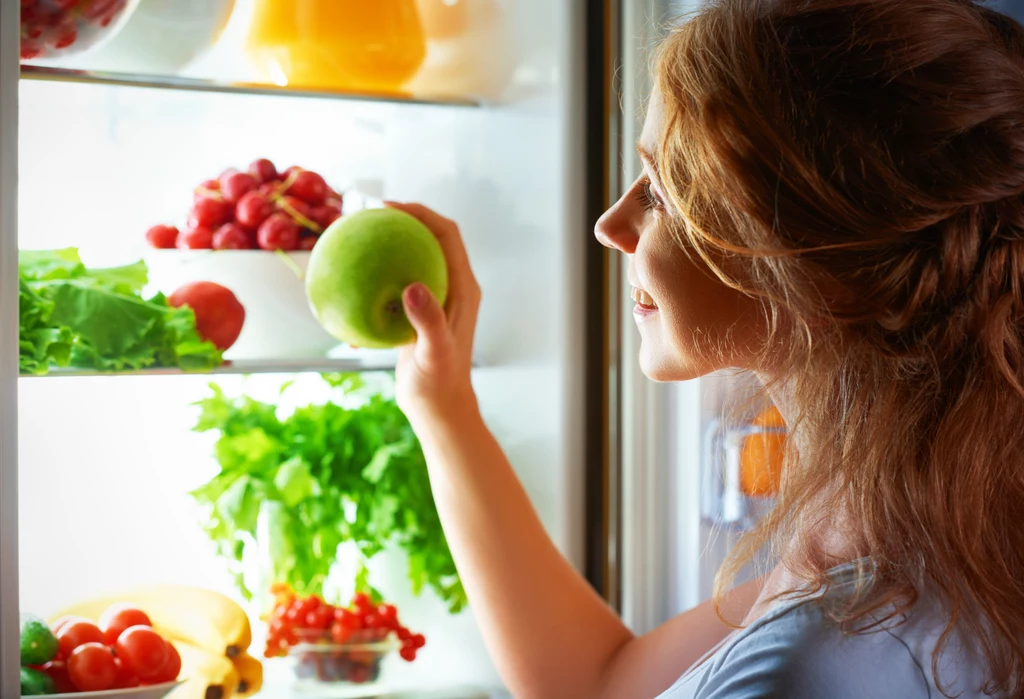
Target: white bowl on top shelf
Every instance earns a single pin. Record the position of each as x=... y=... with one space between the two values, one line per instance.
x=162 y=37
x=153 y=691
x=270 y=286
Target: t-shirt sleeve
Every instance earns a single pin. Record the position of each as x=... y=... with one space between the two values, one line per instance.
x=796 y=657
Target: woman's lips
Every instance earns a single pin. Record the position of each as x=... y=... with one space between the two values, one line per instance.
x=645 y=305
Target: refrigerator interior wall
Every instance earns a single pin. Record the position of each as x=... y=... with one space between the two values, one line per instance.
x=106 y=463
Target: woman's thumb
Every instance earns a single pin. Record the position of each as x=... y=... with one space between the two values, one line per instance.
x=426 y=316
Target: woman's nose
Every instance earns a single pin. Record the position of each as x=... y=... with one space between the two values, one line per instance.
x=617 y=229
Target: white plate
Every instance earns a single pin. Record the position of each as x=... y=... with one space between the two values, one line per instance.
x=153 y=691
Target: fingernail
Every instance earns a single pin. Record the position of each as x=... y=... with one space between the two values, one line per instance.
x=415 y=295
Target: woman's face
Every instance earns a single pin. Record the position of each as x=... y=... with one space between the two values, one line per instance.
x=690 y=322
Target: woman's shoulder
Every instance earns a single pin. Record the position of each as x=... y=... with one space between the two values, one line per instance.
x=796 y=651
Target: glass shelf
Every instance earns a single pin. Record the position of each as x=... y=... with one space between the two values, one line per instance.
x=167 y=82
x=246 y=366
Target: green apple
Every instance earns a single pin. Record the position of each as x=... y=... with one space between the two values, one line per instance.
x=359 y=268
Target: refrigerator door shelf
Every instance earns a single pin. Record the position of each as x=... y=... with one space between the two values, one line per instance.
x=723 y=500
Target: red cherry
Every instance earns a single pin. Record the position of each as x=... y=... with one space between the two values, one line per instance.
x=308 y=242
x=231 y=236
x=200 y=238
x=162 y=237
x=29 y=52
x=408 y=654
x=229 y=171
x=293 y=205
x=325 y=215
x=263 y=170
x=237 y=184
x=309 y=187
x=289 y=171
x=361 y=601
x=253 y=209
x=268 y=189
x=66 y=39
x=279 y=232
x=210 y=213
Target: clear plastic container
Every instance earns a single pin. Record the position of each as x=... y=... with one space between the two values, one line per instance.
x=355 y=45
x=55 y=30
x=740 y=467
x=471 y=49
x=318 y=661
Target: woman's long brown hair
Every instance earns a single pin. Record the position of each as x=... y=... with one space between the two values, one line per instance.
x=859 y=166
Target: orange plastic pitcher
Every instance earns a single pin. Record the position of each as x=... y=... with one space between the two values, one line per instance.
x=356 y=45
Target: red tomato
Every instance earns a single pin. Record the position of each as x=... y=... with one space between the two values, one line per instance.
x=75 y=633
x=91 y=667
x=142 y=651
x=219 y=315
x=171 y=667
x=58 y=672
x=62 y=621
x=119 y=617
x=124 y=678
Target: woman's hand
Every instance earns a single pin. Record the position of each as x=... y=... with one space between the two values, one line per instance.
x=432 y=375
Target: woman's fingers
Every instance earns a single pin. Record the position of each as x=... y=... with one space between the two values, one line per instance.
x=463 y=289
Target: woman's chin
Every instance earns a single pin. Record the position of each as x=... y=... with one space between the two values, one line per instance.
x=661 y=365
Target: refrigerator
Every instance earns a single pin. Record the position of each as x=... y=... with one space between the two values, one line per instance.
x=95 y=467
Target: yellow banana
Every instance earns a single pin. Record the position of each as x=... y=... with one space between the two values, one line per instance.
x=207 y=676
x=250 y=673
x=201 y=617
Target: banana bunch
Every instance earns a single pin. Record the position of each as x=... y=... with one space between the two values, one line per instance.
x=210 y=631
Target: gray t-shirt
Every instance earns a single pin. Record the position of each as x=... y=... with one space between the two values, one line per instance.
x=794 y=652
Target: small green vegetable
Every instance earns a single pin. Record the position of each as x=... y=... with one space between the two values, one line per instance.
x=38 y=644
x=350 y=470
x=35 y=683
x=97 y=318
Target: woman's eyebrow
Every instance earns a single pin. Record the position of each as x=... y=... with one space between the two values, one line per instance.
x=646 y=155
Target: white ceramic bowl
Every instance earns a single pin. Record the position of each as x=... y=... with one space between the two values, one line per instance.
x=72 y=32
x=162 y=36
x=278 y=321
x=153 y=691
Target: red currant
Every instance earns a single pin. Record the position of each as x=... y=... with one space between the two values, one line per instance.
x=408 y=654
x=230 y=236
x=403 y=633
x=279 y=232
x=340 y=634
x=418 y=640
x=163 y=237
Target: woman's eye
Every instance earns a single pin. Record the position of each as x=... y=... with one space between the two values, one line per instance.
x=646 y=196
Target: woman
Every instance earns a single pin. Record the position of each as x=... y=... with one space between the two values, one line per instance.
x=832 y=197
